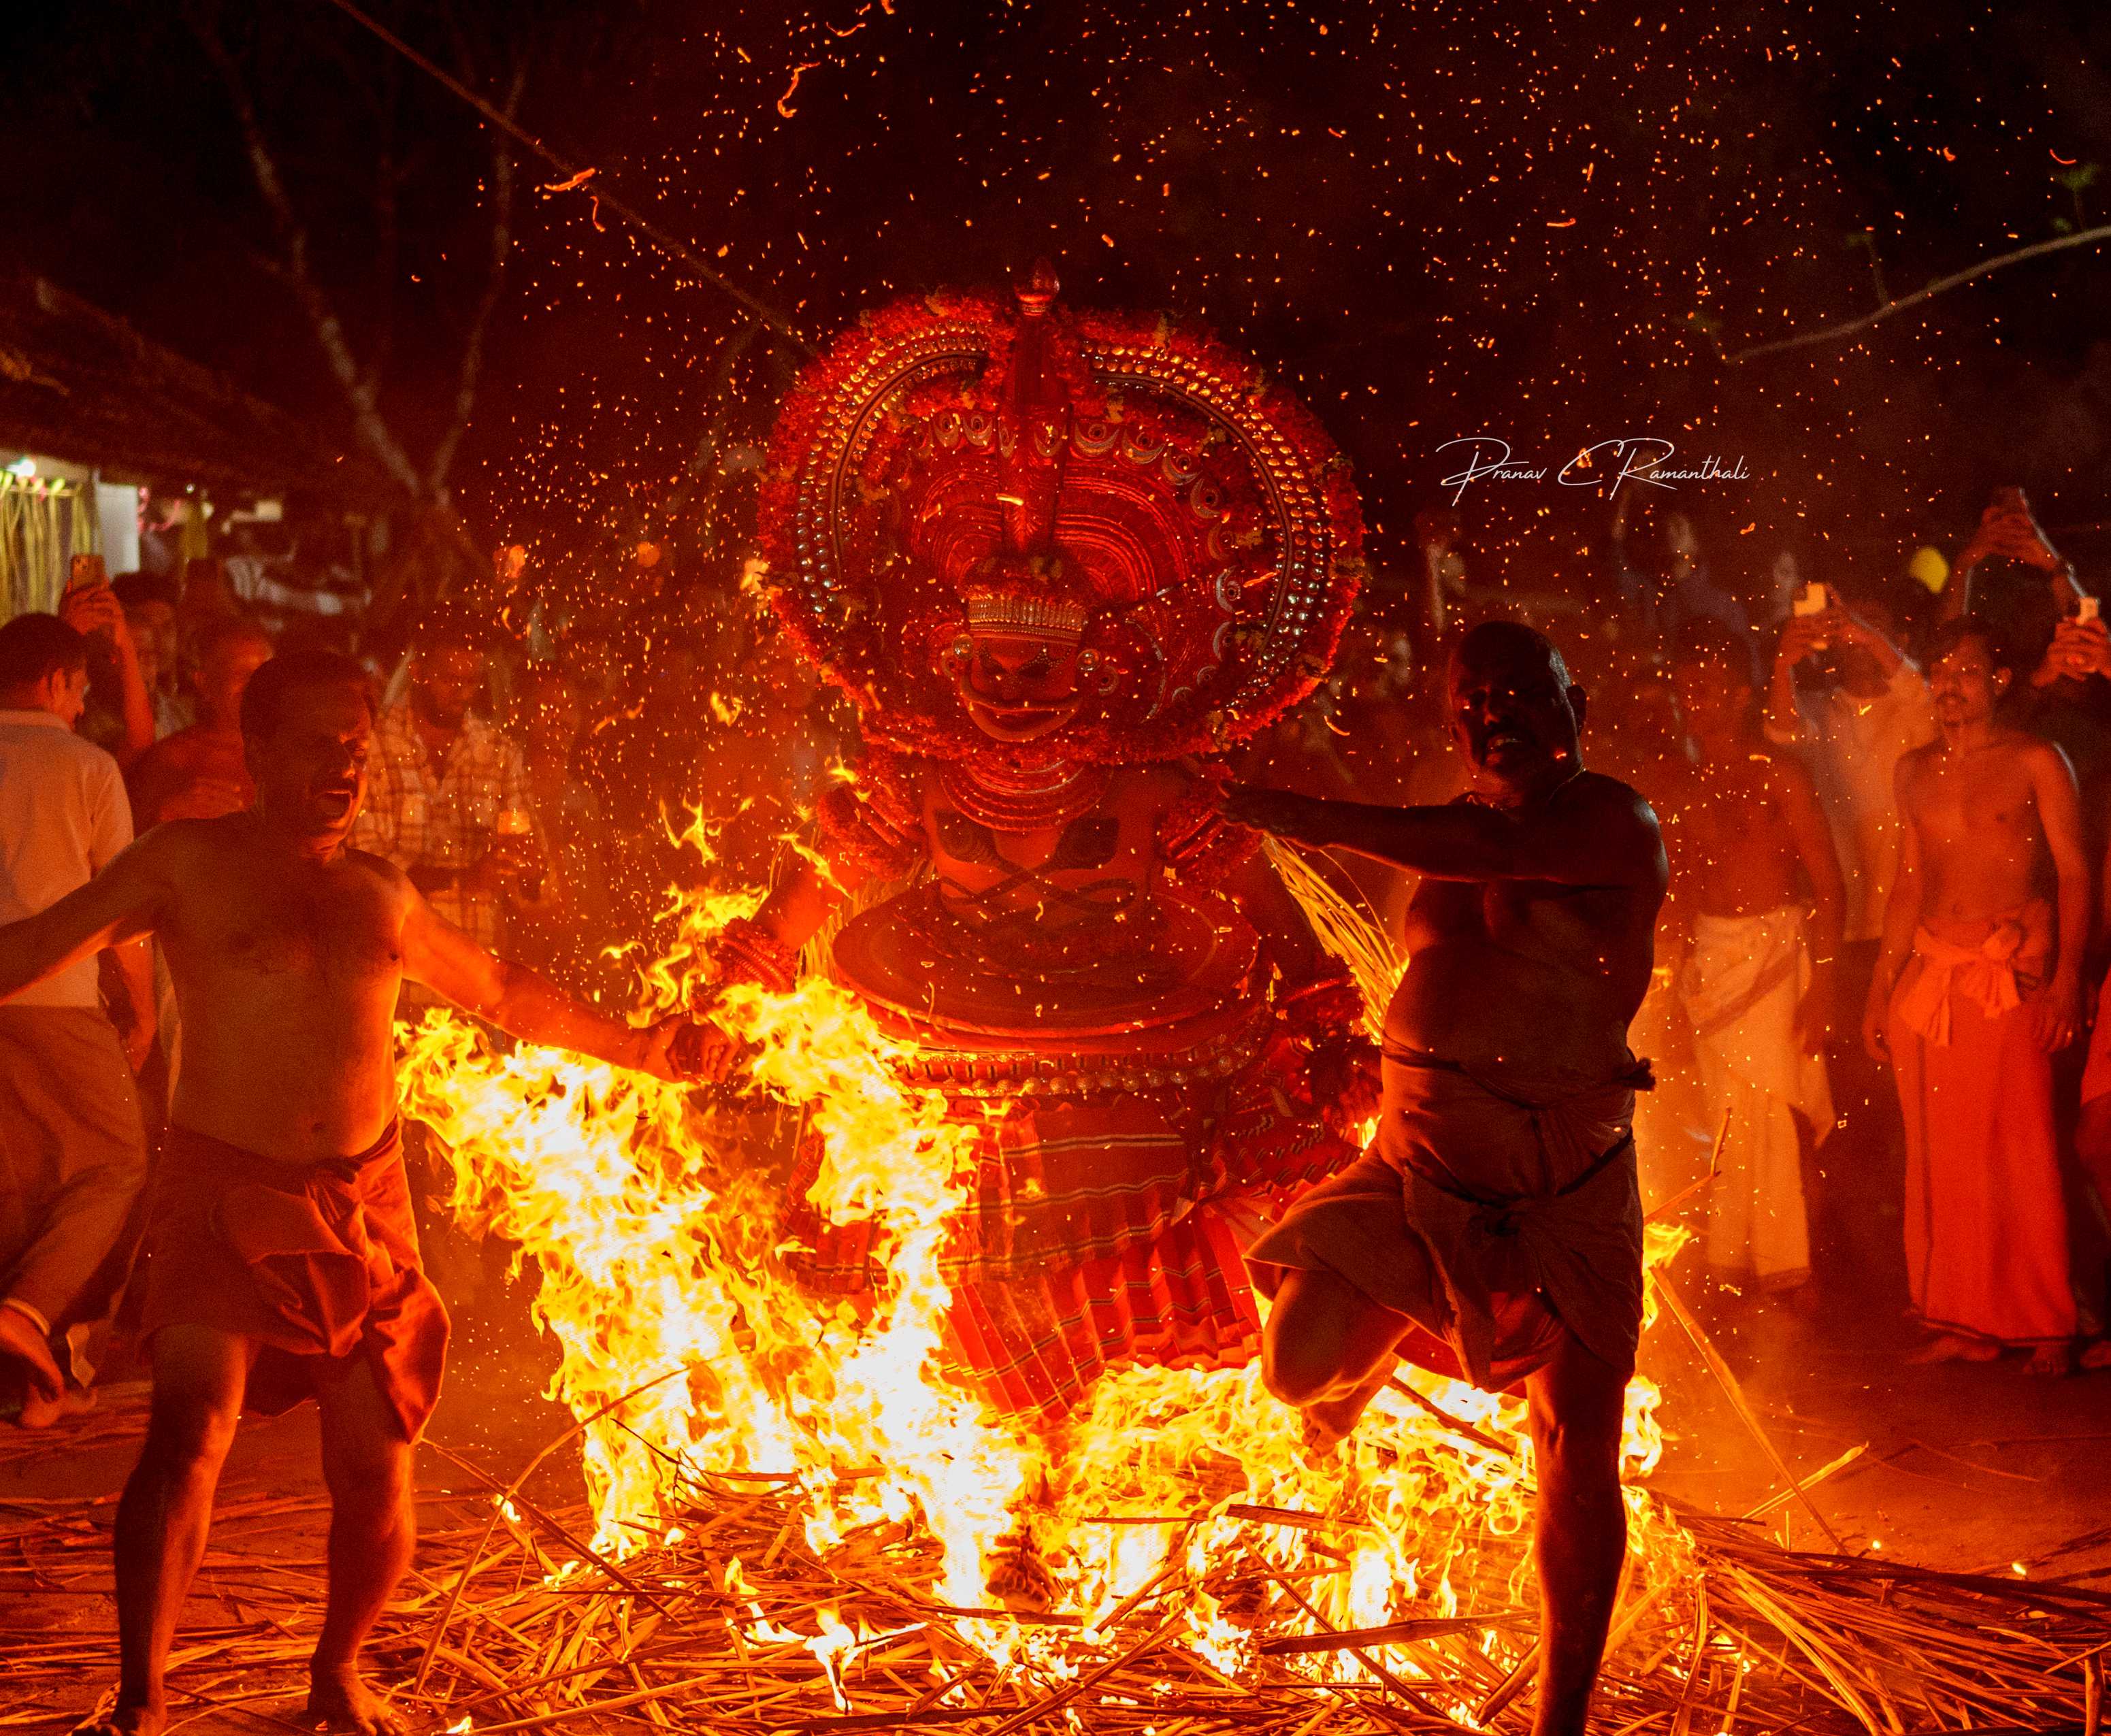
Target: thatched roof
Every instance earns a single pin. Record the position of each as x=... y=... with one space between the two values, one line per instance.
x=81 y=385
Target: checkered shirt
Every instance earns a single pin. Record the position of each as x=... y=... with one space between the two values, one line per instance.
x=419 y=817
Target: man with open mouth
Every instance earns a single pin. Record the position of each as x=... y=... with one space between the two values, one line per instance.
x=281 y=1258
x=1493 y=1231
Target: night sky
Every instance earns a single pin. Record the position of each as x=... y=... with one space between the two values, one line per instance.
x=1441 y=219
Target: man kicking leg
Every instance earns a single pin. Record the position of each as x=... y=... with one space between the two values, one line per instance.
x=1493 y=1231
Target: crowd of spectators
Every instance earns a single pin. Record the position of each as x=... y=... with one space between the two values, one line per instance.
x=533 y=798
x=1887 y=806
x=1886 y=794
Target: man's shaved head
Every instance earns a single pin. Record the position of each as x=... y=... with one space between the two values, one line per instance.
x=1505 y=641
x=1516 y=714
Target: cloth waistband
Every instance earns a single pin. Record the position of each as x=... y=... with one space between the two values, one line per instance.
x=1638 y=1075
x=1985 y=972
x=1788 y=916
x=292 y=1177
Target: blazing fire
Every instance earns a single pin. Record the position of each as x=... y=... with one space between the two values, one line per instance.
x=692 y=1357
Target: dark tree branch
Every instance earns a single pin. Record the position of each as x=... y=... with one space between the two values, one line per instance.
x=372 y=428
x=1824 y=333
x=501 y=244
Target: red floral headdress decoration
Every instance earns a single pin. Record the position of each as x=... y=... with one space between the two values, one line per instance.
x=996 y=460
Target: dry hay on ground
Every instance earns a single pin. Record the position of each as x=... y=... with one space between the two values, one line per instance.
x=512 y=1624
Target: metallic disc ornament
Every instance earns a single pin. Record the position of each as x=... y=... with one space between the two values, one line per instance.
x=1127 y=489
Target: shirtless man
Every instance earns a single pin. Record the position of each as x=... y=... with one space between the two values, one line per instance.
x=286 y=948
x=1493 y=1230
x=1760 y=970
x=1978 y=986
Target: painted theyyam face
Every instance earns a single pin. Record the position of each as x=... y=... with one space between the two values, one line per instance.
x=1018 y=685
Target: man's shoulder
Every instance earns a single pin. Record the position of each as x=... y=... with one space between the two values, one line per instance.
x=2037 y=753
x=1601 y=793
x=52 y=745
x=378 y=868
x=179 y=749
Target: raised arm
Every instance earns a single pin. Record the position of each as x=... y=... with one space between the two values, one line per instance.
x=802 y=902
x=1828 y=899
x=120 y=904
x=2059 y=812
x=516 y=1000
x=94 y=609
x=1594 y=833
x=1286 y=932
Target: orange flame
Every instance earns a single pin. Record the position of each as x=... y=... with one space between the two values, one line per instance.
x=654 y=1237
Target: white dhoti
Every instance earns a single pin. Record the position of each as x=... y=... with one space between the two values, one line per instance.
x=1741 y=985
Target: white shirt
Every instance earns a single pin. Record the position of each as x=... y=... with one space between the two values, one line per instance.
x=1853 y=747
x=63 y=814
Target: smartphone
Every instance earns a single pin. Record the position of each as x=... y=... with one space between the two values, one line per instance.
x=87 y=572
x=2092 y=609
x=1811 y=600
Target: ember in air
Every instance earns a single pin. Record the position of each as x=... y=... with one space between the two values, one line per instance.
x=1603 y=464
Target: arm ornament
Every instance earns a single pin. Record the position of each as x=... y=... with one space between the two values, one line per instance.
x=744 y=951
x=1195 y=841
x=876 y=823
x=1325 y=1009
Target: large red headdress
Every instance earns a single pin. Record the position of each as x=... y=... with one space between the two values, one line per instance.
x=975 y=463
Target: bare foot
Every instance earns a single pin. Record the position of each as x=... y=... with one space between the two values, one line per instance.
x=1317 y=1439
x=340 y=1700
x=40 y=1412
x=1330 y=1421
x=2098 y=1355
x=1950 y=1348
x=2055 y=1361
x=1017 y=1577
x=124 y=1721
x=20 y=1339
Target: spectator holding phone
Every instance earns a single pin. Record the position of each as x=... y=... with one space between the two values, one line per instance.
x=1850 y=703
x=1848 y=698
x=117 y=702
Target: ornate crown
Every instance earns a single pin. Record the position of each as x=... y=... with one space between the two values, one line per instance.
x=1002 y=461
x=1054 y=617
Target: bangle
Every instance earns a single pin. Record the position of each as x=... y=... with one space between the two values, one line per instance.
x=745 y=951
x=1331 y=1006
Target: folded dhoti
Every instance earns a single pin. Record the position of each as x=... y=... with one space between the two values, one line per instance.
x=316 y=1263
x=1495 y=1213
x=1742 y=985
x=1985 y=1213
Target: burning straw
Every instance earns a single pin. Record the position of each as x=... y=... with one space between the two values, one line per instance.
x=725 y=1618
x=791 y=1514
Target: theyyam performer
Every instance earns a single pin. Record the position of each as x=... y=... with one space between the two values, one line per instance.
x=1063 y=560
x=1493 y=1231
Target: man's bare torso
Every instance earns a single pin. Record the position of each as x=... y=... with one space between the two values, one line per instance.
x=1982 y=848
x=286 y=971
x=1531 y=977
x=1736 y=851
